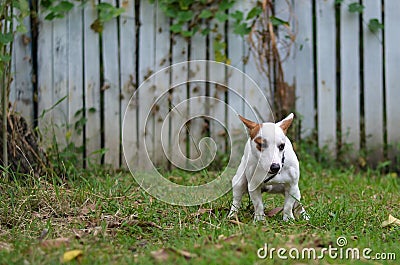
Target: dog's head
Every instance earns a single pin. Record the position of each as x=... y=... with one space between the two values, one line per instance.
x=268 y=142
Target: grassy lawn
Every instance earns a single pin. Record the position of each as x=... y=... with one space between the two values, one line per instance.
x=112 y=221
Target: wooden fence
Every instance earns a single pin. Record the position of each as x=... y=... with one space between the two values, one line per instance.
x=345 y=77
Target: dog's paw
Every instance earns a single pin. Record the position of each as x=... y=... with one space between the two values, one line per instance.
x=232 y=215
x=288 y=218
x=259 y=217
x=305 y=216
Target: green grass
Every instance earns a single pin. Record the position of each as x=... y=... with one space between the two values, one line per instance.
x=108 y=217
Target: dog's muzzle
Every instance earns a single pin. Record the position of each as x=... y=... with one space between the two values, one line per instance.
x=274 y=169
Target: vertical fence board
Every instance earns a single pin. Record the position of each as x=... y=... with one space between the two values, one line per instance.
x=217 y=90
x=392 y=66
x=21 y=91
x=128 y=79
x=75 y=76
x=91 y=61
x=350 y=76
x=45 y=78
x=197 y=71
x=284 y=10
x=326 y=75
x=146 y=69
x=60 y=80
x=179 y=93
x=257 y=108
x=373 y=82
x=111 y=91
x=162 y=82
x=235 y=91
x=305 y=67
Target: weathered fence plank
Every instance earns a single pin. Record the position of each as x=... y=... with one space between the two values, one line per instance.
x=76 y=114
x=350 y=76
x=91 y=60
x=162 y=82
x=373 y=82
x=304 y=64
x=146 y=69
x=127 y=24
x=392 y=66
x=21 y=91
x=111 y=89
x=197 y=90
x=45 y=78
x=326 y=74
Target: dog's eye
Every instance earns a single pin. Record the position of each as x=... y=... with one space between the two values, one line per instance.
x=281 y=147
x=261 y=146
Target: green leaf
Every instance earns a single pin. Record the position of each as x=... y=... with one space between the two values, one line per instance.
x=374 y=25
x=187 y=33
x=221 y=16
x=241 y=29
x=6 y=38
x=255 y=11
x=278 y=22
x=225 y=5
x=338 y=2
x=92 y=110
x=356 y=8
x=205 y=31
x=205 y=14
x=5 y=58
x=62 y=7
x=176 y=28
x=238 y=15
x=185 y=16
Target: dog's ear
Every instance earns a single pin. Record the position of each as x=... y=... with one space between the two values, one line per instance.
x=286 y=122
x=251 y=125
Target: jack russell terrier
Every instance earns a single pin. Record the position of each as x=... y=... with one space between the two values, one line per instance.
x=269 y=164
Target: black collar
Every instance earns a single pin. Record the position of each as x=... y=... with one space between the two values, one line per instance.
x=273 y=176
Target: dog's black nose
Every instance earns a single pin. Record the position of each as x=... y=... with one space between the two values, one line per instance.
x=274 y=168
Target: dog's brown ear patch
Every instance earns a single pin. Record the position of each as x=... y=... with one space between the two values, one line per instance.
x=285 y=124
x=253 y=127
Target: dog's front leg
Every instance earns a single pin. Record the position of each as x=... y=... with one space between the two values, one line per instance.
x=238 y=189
x=292 y=194
x=256 y=198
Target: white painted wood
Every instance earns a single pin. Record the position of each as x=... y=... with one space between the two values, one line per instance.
x=235 y=82
x=350 y=77
x=60 y=81
x=146 y=69
x=179 y=75
x=284 y=10
x=128 y=81
x=21 y=91
x=326 y=75
x=257 y=90
x=91 y=46
x=304 y=65
x=75 y=74
x=197 y=71
x=392 y=66
x=162 y=82
x=111 y=88
x=45 y=79
x=217 y=90
x=373 y=82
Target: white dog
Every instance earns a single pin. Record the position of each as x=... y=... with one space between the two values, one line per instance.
x=269 y=164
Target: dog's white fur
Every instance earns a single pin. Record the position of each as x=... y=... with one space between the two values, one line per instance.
x=267 y=148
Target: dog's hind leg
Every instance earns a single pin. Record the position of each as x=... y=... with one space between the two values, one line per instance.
x=239 y=187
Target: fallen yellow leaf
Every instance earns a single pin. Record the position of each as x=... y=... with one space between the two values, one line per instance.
x=391 y=220
x=70 y=255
